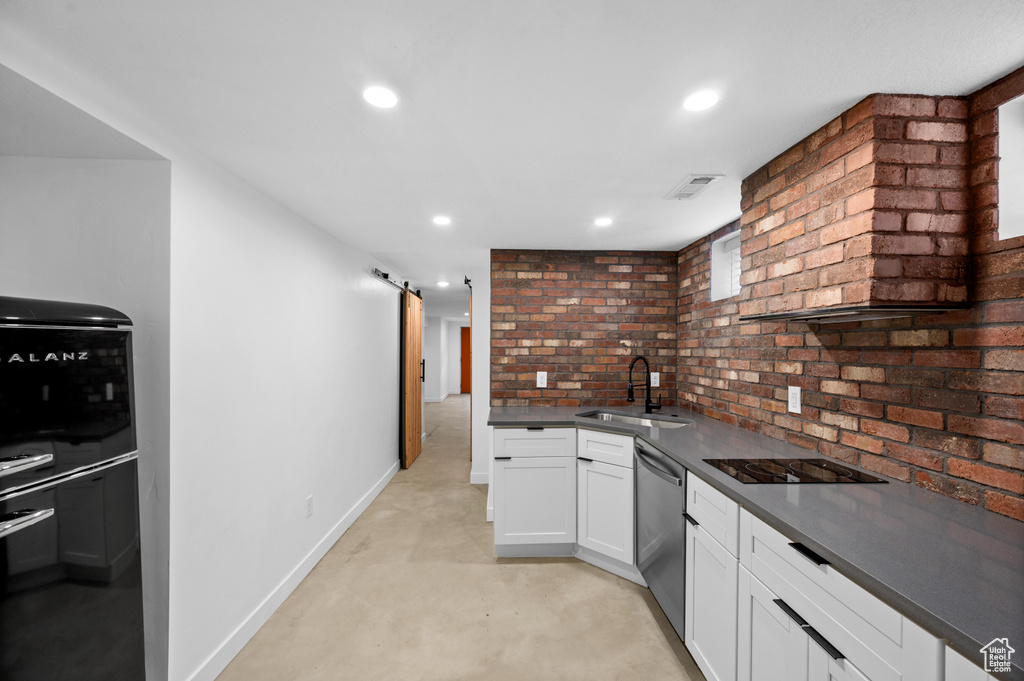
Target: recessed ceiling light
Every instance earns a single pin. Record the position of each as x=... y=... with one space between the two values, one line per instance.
x=603 y=222
x=465 y=314
x=442 y=284
x=442 y=220
x=380 y=96
x=700 y=100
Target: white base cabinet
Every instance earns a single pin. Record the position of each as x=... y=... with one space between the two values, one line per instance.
x=534 y=492
x=711 y=600
x=773 y=646
x=605 y=509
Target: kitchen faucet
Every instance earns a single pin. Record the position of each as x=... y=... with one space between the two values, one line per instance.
x=649 y=404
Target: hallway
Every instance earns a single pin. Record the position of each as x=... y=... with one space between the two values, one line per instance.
x=413 y=591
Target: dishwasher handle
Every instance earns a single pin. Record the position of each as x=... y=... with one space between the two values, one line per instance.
x=21 y=520
x=649 y=465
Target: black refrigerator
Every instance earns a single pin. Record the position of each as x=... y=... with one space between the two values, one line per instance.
x=70 y=564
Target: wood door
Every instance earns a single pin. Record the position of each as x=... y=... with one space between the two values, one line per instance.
x=411 y=442
x=467 y=362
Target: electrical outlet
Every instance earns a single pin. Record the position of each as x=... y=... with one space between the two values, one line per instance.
x=655 y=379
x=794 y=399
x=542 y=379
x=309 y=506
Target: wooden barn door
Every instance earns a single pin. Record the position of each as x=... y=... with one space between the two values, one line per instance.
x=411 y=442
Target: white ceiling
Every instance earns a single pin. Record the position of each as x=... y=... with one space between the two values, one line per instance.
x=524 y=120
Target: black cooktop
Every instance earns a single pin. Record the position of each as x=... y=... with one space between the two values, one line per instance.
x=789 y=470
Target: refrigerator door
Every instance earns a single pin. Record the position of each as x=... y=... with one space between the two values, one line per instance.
x=66 y=401
x=70 y=579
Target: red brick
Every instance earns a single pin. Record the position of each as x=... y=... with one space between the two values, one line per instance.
x=949 y=400
x=987 y=475
x=945 y=178
x=1004 y=455
x=888 y=431
x=861 y=374
x=929 y=131
x=982 y=381
x=885 y=393
x=915 y=456
x=1005 y=311
x=955 y=489
x=823 y=297
x=916 y=417
x=905 y=291
x=788 y=196
x=785 y=267
x=990 y=429
x=903 y=105
x=863 y=442
x=847 y=142
x=950 y=107
x=956 y=359
x=885 y=467
x=907 y=153
x=1005 y=407
x=1012 y=336
x=861 y=408
x=785 y=160
x=786 y=233
x=1004 y=505
x=935 y=338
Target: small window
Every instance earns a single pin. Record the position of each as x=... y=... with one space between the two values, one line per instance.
x=725 y=267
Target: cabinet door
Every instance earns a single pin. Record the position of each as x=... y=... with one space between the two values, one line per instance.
x=606 y=509
x=711 y=604
x=770 y=646
x=822 y=667
x=535 y=500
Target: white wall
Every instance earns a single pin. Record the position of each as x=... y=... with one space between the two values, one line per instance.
x=98 y=231
x=435 y=354
x=454 y=357
x=283 y=382
x=481 y=399
x=284 y=366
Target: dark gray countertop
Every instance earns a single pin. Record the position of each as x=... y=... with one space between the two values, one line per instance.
x=955 y=569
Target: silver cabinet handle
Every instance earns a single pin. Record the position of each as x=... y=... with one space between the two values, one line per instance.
x=14 y=464
x=20 y=520
x=664 y=475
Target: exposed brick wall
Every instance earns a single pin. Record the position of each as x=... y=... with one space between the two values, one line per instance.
x=581 y=316
x=932 y=400
x=871 y=208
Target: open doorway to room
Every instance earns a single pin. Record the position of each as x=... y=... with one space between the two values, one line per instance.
x=446 y=355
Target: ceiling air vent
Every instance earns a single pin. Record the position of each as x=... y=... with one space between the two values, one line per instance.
x=691 y=186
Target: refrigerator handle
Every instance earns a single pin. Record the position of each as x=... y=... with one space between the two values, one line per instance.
x=20 y=520
x=14 y=464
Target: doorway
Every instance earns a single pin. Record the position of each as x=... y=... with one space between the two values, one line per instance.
x=466 y=360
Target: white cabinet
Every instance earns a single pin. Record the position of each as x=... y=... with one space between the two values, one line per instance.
x=959 y=668
x=534 y=492
x=605 y=509
x=711 y=579
x=771 y=646
x=711 y=594
x=606 y=535
x=776 y=644
x=881 y=643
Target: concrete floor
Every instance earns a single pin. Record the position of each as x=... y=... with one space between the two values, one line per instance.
x=413 y=591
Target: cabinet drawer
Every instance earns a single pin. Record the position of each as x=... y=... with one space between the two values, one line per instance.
x=534 y=442
x=878 y=640
x=716 y=513
x=605 y=447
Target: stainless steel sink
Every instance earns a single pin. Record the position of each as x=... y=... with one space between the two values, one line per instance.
x=648 y=420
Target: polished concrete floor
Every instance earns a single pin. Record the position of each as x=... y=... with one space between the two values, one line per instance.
x=413 y=591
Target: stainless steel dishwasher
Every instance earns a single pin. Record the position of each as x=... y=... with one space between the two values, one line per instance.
x=660 y=545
